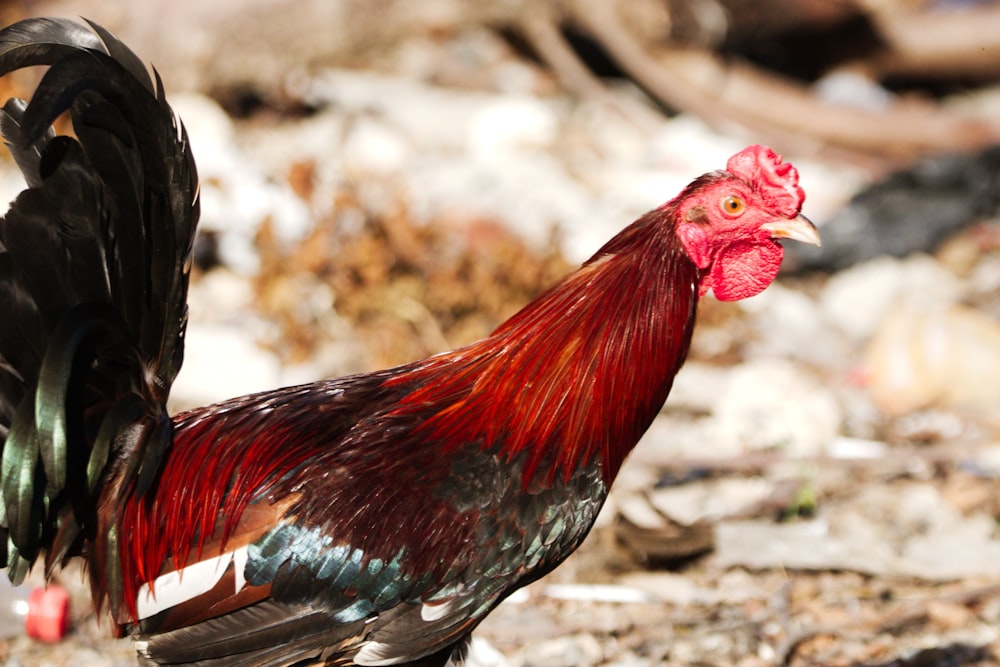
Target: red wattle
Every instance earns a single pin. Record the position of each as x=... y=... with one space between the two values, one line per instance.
x=743 y=270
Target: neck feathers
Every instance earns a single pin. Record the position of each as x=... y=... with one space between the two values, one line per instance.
x=575 y=377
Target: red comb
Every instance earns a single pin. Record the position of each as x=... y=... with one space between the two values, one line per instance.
x=763 y=169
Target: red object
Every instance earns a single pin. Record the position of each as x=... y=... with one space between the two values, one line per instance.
x=48 y=613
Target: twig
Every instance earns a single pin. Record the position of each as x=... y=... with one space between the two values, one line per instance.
x=541 y=30
x=898 y=460
x=913 y=611
x=935 y=42
x=696 y=81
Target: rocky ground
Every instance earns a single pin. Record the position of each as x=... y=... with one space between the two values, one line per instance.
x=821 y=488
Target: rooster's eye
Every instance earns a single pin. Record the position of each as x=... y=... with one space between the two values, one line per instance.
x=733 y=205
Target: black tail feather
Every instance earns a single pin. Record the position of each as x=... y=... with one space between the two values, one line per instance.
x=26 y=153
x=94 y=261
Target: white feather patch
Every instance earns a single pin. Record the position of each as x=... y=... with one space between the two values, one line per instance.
x=435 y=611
x=173 y=588
x=374 y=654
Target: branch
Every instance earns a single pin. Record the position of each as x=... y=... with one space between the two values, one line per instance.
x=696 y=81
x=541 y=30
x=940 y=43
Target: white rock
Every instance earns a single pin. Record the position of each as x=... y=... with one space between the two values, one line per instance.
x=435 y=118
x=971 y=549
x=210 y=131
x=852 y=88
x=737 y=586
x=856 y=300
x=792 y=326
x=676 y=589
x=709 y=500
x=621 y=594
x=933 y=355
x=236 y=193
x=905 y=529
x=637 y=510
x=529 y=193
x=222 y=361
x=221 y=356
x=696 y=387
x=688 y=145
x=373 y=147
x=774 y=403
x=843 y=447
x=578 y=650
x=987 y=458
x=670 y=439
x=807 y=545
x=220 y=296
x=511 y=125
x=911 y=508
x=601 y=140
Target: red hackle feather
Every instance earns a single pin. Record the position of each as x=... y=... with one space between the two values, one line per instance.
x=575 y=377
x=196 y=499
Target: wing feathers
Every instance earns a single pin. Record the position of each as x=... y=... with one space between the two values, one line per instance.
x=266 y=633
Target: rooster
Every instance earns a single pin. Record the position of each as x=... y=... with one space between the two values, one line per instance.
x=374 y=519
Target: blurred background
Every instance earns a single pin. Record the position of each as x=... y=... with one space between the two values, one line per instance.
x=386 y=179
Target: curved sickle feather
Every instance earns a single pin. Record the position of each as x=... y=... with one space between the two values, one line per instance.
x=83 y=325
x=19 y=463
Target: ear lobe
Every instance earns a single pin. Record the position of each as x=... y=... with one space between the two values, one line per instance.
x=695 y=242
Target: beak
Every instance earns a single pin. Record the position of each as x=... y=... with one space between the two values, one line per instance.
x=799 y=228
